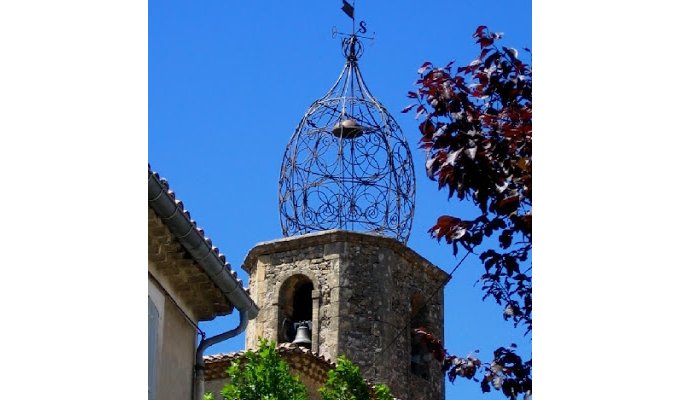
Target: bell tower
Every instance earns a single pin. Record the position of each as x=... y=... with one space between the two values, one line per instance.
x=343 y=281
x=363 y=293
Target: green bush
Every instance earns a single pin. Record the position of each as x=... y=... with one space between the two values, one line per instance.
x=263 y=376
x=346 y=383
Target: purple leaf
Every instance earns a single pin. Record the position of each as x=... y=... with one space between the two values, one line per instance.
x=424 y=67
x=408 y=108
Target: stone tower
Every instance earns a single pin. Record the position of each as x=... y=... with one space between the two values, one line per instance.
x=363 y=293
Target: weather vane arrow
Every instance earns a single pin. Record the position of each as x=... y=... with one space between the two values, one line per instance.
x=348 y=9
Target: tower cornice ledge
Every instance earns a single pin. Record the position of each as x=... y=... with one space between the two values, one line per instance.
x=343 y=236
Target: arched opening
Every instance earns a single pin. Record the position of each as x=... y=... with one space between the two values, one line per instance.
x=420 y=355
x=295 y=307
x=302 y=302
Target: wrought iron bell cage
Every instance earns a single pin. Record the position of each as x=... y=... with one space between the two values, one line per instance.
x=348 y=165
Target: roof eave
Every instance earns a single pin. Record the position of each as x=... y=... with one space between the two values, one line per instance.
x=174 y=216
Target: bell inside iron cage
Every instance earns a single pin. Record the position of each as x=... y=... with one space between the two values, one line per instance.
x=347 y=165
x=347 y=128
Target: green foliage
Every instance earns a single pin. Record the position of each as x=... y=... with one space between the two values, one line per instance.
x=382 y=392
x=263 y=376
x=346 y=383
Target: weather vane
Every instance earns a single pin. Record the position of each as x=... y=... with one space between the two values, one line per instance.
x=349 y=10
x=348 y=165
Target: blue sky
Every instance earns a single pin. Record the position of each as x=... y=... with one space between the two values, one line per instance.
x=229 y=82
x=226 y=85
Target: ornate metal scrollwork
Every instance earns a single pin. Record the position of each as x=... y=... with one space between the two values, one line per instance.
x=348 y=165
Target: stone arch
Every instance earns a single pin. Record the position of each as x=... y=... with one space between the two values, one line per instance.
x=297 y=303
x=299 y=270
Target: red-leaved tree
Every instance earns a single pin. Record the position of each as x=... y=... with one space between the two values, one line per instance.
x=476 y=130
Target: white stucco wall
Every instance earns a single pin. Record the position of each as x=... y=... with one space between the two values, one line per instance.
x=176 y=347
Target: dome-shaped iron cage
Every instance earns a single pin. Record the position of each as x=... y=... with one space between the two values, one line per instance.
x=348 y=165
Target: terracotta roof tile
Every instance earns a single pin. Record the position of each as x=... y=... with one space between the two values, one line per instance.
x=161 y=229
x=298 y=358
x=180 y=204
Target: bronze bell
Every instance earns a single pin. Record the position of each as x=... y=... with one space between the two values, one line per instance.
x=347 y=129
x=302 y=337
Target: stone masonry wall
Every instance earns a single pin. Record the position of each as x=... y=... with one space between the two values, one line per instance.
x=376 y=290
x=318 y=263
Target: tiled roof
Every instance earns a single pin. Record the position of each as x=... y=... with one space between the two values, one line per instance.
x=301 y=361
x=167 y=250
